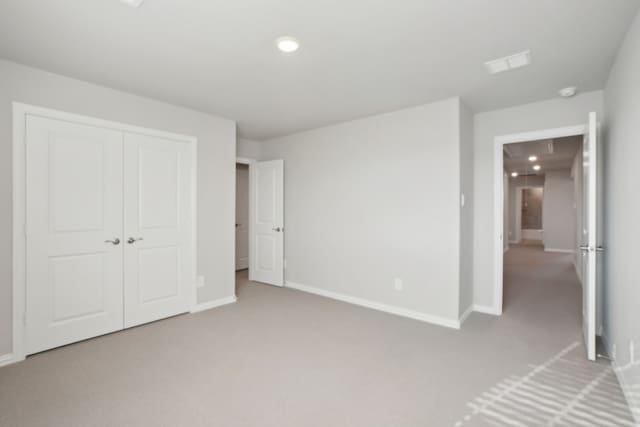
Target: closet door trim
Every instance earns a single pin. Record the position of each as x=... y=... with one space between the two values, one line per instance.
x=20 y=113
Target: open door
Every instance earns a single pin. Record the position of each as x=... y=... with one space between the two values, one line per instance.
x=591 y=235
x=267 y=223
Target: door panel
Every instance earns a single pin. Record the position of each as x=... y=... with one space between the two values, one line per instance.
x=591 y=235
x=158 y=269
x=73 y=205
x=267 y=240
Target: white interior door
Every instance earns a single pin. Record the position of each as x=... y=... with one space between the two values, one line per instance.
x=73 y=232
x=242 y=217
x=267 y=231
x=159 y=274
x=591 y=244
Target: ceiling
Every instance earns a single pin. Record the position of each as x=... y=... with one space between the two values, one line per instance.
x=357 y=57
x=553 y=154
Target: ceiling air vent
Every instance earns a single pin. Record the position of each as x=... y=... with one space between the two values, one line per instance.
x=510 y=62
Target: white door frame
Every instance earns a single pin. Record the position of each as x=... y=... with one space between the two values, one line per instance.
x=251 y=163
x=518 y=206
x=498 y=191
x=20 y=113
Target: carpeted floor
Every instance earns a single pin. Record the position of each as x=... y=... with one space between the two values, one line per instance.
x=280 y=357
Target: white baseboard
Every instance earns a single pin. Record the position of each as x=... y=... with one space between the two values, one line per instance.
x=624 y=385
x=466 y=314
x=562 y=251
x=213 y=304
x=7 y=359
x=398 y=311
x=486 y=309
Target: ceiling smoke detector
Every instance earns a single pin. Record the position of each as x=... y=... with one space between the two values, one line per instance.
x=568 y=92
x=132 y=3
x=510 y=62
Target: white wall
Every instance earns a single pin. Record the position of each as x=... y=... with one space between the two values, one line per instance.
x=466 y=211
x=370 y=200
x=558 y=214
x=249 y=149
x=540 y=115
x=622 y=210
x=216 y=167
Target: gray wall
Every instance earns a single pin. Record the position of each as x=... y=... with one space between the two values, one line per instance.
x=466 y=211
x=540 y=115
x=514 y=183
x=507 y=201
x=578 y=179
x=531 y=209
x=374 y=199
x=622 y=210
x=216 y=167
x=558 y=215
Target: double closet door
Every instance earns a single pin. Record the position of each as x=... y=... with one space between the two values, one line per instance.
x=108 y=230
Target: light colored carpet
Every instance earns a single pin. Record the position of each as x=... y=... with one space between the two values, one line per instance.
x=280 y=357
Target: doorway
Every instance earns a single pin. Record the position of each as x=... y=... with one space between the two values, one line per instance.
x=259 y=225
x=242 y=217
x=566 y=230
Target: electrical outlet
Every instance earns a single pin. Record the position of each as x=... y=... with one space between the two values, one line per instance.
x=397 y=284
x=200 y=281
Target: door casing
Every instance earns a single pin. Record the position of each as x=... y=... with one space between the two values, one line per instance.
x=19 y=267
x=498 y=191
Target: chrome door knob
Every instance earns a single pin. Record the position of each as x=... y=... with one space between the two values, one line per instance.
x=115 y=241
x=132 y=240
x=277 y=229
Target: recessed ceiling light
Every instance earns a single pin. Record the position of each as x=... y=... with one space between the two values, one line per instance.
x=514 y=174
x=509 y=62
x=287 y=44
x=568 y=92
x=537 y=167
x=533 y=158
x=132 y=3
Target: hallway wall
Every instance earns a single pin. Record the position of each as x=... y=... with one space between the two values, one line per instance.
x=558 y=215
x=622 y=210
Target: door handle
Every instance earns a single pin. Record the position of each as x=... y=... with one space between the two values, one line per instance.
x=585 y=248
x=277 y=229
x=131 y=240
x=115 y=241
x=599 y=249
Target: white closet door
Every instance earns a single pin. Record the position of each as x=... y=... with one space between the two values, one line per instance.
x=73 y=208
x=158 y=259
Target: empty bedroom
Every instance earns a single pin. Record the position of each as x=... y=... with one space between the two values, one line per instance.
x=358 y=213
